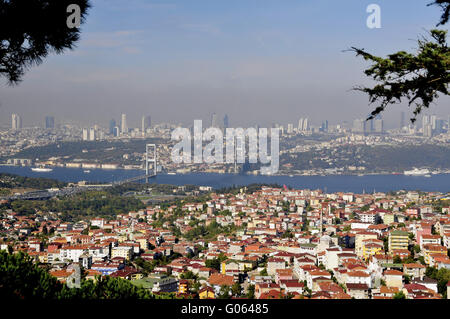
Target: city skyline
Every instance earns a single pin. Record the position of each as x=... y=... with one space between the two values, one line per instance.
x=257 y=62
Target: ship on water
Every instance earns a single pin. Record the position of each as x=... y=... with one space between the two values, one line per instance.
x=41 y=169
x=417 y=172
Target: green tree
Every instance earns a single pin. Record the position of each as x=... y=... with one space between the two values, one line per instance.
x=251 y=292
x=399 y=295
x=417 y=77
x=397 y=260
x=31 y=30
x=224 y=292
x=236 y=289
x=21 y=278
x=263 y=272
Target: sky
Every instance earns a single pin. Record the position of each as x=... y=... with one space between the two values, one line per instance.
x=259 y=61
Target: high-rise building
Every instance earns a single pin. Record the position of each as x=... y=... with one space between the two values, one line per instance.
x=359 y=126
x=16 y=122
x=49 y=122
x=92 y=134
x=214 y=120
x=146 y=123
x=440 y=124
x=378 y=126
x=300 y=124
x=398 y=240
x=425 y=120
x=290 y=128
x=124 y=127
x=433 y=120
x=428 y=130
x=306 y=124
x=226 y=121
x=112 y=125
x=116 y=131
x=85 y=134
x=303 y=125
x=324 y=126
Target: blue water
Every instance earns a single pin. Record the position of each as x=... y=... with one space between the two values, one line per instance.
x=335 y=183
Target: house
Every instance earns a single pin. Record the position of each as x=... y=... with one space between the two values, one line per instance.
x=122 y=251
x=432 y=249
x=393 y=278
x=427 y=282
x=359 y=241
x=261 y=289
x=275 y=263
x=358 y=291
x=414 y=270
x=428 y=239
x=387 y=292
x=61 y=275
x=229 y=266
x=206 y=293
x=359 y=277
x=283 y=274
x=398 y=240
x=127 y=272
x=413 y=291
x=292 y=286
x=217 y=280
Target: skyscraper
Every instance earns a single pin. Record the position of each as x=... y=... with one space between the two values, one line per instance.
x=16 y=122
x=378 y=126
x=425 y=121
x=214 y=120
x=146 y=123
x=324 y=127
x=112 y=125
x=290 y=128
x=85 y=134
x=116 y=131
x=124 y=127
x=226 y=121
x=49 y=122
x=306 y=125
x=92 y=134
x=300 y=124
x=359 y=126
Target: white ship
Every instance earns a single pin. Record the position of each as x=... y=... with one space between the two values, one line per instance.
x=417 y=172
x=41 y=169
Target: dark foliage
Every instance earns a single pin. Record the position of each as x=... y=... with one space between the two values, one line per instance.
x=32 y=29
x=418 y=77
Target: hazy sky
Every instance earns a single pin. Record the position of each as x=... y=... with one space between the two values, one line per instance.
x=259 y=61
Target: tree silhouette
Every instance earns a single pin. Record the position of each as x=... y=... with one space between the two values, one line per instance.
x=417 y=77
x=32 y=29
x=21 y=278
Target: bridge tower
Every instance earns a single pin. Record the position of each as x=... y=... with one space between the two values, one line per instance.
x=150 y=160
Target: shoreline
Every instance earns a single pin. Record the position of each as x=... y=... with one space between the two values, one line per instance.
x=435 y=172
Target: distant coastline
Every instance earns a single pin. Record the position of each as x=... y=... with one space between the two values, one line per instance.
x=330 y=183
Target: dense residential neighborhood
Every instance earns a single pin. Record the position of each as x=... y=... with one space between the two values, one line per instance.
x=268 y=243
